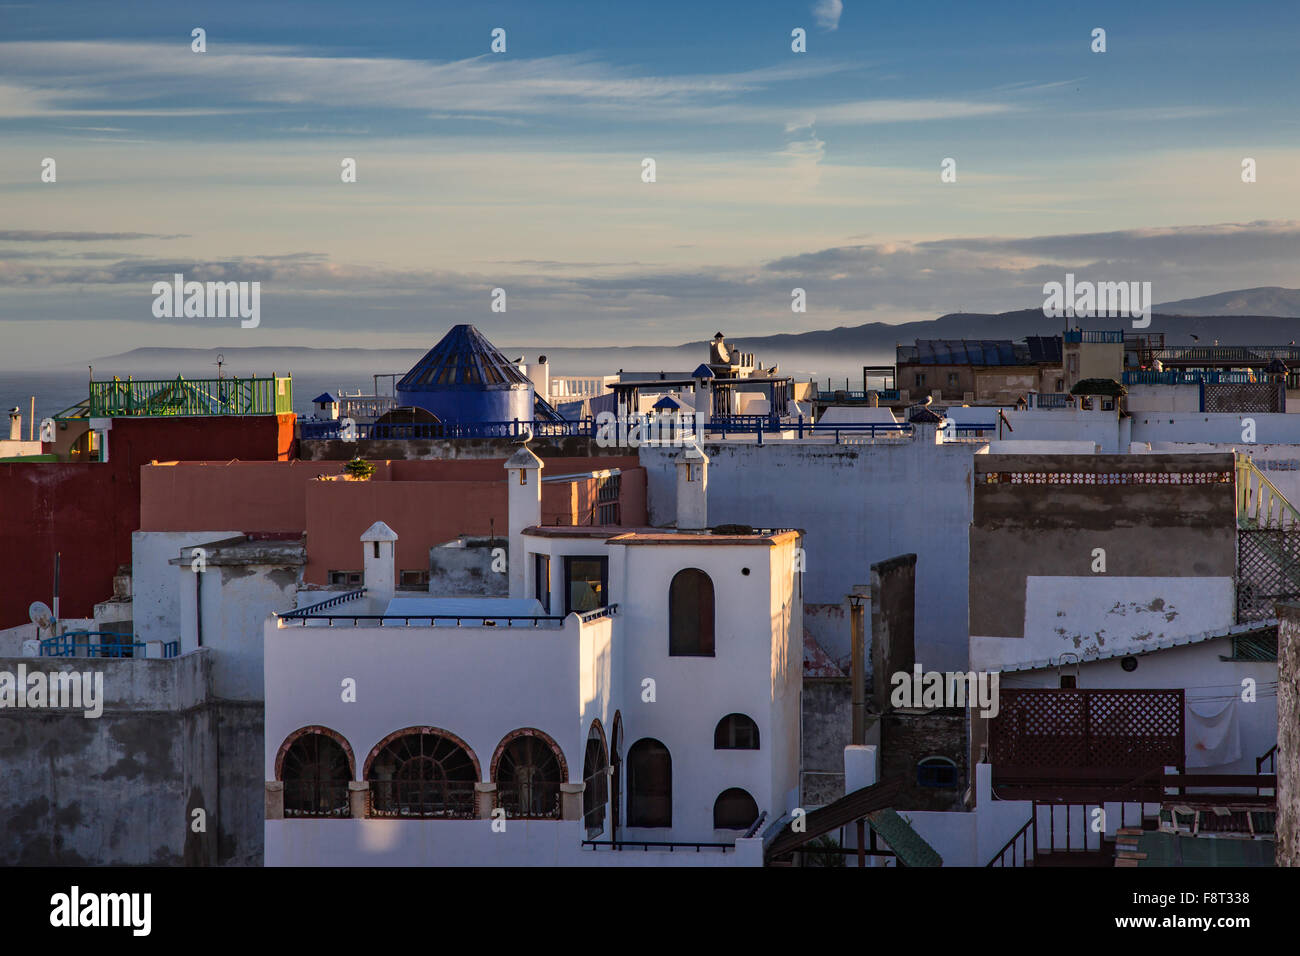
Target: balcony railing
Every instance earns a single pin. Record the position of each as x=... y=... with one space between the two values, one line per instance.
x=428 y=799
x=1144 y=377
x=162 y=398
x=107 y=644
x=1096 y=336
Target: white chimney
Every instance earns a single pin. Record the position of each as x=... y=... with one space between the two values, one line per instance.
x=540 y=375
x=15 y=424
x=379 y=555
x=524 y=501
x=693 y=489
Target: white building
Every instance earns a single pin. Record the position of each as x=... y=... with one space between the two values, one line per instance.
x=638 y=690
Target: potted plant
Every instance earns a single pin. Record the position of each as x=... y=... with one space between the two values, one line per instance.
x=358 y=469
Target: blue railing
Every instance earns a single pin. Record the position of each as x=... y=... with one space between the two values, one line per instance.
x=387 y=431
x=68 y=645
x=1193 y=378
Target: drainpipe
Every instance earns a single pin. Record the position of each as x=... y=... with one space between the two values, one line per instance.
x=198 y=609
x=858 y=638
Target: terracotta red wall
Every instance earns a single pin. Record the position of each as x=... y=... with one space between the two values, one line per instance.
x=88 y=510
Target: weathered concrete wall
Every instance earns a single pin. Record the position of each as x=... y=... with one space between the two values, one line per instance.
x=893 y=619
x=907 y=739
x=1147 y=530
x=119 y=789
x=1288 y=735
x=827 y=729
x=858 y=504
x=467 y=571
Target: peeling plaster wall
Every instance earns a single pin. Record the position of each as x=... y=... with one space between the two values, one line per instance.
x=117 y=789
x=1107 y=613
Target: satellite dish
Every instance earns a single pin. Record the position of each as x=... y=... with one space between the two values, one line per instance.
x=40 y=614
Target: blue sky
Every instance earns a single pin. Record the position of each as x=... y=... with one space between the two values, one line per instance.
x=522 y=170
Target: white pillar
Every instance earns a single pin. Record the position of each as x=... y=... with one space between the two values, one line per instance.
x=693 y=489
x=524 y=501
x=379 y=556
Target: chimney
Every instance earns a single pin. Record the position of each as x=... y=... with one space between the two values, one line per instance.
x=524 y=503
x=379 y=556
x=693 y=489
x=15 y=424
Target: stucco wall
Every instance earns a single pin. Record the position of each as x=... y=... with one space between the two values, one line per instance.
x=858 y=504
x=1051 y=530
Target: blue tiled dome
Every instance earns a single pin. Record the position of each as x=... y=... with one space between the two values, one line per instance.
x=465 y=378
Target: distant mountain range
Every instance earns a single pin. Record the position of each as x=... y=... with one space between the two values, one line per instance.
x=1245 y=317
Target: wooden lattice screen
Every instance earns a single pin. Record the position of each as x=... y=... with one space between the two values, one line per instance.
x=1268 y=571
x=1081 y=733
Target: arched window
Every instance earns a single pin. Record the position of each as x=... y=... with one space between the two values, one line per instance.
x=595 y=777
x=938 y=772
x=422 y=772
x=649 y=784
x=734 y=809
x=735 y=732
x=528 y=769
x=315 y=765
x=690 y=614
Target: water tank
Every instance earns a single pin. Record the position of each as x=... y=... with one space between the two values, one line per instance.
x=465 y=378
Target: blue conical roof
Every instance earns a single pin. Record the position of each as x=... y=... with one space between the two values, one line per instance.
x=465 y=358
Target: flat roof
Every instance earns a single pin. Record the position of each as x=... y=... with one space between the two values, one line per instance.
x=619 y=535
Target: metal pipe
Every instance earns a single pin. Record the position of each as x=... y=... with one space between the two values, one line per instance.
x=858 y=638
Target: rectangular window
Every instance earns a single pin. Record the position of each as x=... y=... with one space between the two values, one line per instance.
x=920 y=380
x=542 y=580
x=586 y=583
x=346 y=578
x=415 y=580
x=952 y=379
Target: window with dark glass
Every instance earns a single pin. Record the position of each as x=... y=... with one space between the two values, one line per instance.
x=649 y=785
x=735 y=732
x=595 y=777
x=690 y=614
x=423 y=775
x=316 y=776
x=938 y=772
x=734 y=809
x=542 y=580
x=528 y=779
x=586 y=583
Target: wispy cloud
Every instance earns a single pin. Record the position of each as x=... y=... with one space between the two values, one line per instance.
x=827 y=13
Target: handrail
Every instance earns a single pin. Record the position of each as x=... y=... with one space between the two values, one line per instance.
x=999 y=857
x=1269 y=756
x=406 y=619
x=321 y=605
x=1255 y=491
x=646 y=844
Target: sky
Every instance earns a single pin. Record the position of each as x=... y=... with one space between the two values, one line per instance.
x=522 y=170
